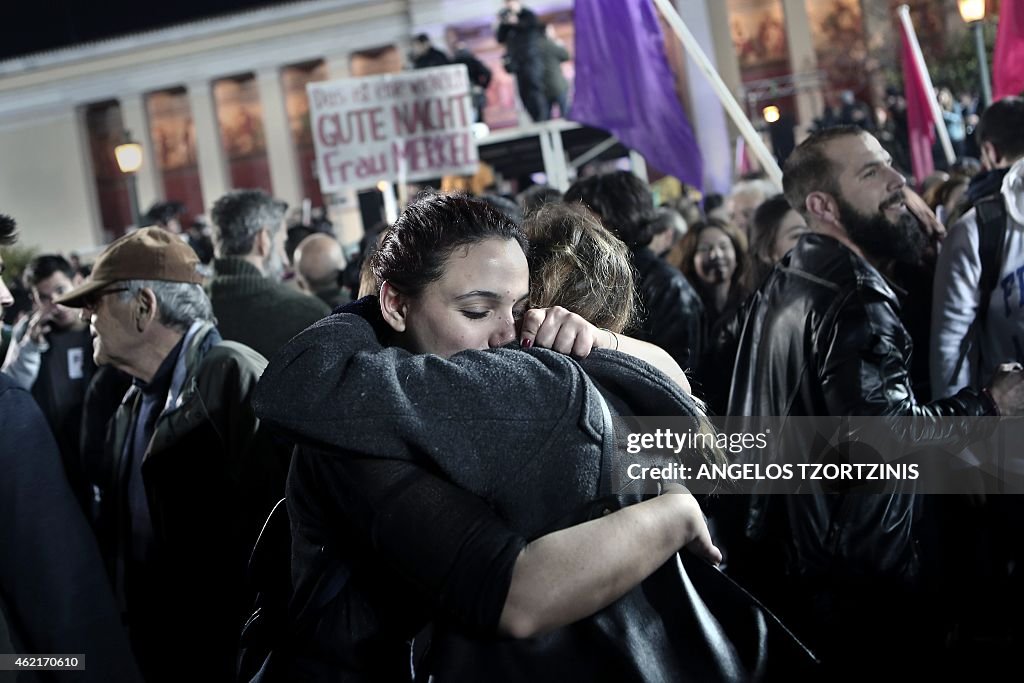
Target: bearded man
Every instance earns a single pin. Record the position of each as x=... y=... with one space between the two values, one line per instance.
x=824 y=338
x=251 y=303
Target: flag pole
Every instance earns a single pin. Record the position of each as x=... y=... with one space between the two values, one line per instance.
x=693 y=48
x=933 y=101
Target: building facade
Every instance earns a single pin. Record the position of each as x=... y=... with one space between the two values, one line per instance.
x=220 y=103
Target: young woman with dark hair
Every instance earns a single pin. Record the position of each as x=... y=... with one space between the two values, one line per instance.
x=713 y=255
x=672 y=313
x=437 y=465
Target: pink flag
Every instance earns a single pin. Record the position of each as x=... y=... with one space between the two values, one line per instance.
x=1008 y=60
x=920 y=124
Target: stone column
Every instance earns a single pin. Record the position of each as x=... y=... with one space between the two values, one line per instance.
x=284 y=167
x=337 y=66
x=709 y=22
x=213 y=168
x=803 y=61
x=712 y=17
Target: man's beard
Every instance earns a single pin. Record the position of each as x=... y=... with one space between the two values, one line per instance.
x=880 y=238
x=274 y=266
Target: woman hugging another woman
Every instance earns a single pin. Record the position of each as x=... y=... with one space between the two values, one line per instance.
x=442 y=468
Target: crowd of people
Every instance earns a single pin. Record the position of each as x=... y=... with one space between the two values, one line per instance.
x=888 y=122
x=436 y=413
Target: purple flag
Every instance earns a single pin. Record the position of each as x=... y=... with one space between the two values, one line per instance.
x=624 y=85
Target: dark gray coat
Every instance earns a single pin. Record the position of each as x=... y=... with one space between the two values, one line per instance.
x=522 y=431
x=54 y=594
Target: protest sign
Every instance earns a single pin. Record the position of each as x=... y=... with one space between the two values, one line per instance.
x=396 y=127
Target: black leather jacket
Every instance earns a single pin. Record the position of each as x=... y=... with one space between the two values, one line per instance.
x=823 y=337
x=672 y=314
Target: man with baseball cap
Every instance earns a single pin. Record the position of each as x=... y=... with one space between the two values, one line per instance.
x=189 y=477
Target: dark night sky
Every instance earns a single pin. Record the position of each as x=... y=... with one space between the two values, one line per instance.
x=28 y=26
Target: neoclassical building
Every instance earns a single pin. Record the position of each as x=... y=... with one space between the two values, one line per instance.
x=221 y=103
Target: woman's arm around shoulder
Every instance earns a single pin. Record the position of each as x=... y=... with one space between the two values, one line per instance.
x=570 y=574
x=561 y=330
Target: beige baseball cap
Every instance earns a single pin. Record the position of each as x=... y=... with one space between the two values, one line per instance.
x=146 y=254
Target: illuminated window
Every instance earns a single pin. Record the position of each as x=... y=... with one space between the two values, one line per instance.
x=837 y=31
x=381 y=60
x=174 y=146
x=105 y=130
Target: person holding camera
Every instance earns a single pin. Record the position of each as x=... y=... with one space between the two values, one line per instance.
x=51 y=357
x=521 y=33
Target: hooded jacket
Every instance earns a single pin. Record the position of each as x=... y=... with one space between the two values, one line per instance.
x=54 y=595
x=962 y=357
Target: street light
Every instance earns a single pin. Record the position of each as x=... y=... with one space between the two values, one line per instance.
x=780 y=131
x=973 y=13
x=972 y=10
x=129 y=160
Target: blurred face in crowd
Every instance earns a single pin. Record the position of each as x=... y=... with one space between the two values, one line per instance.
x=475 y=304
x=953 y=200
x=667 y=238
x=6 y=298
x=49 y=289
x=870 y=199
x=172 y=225
x=945 y=98
x=791 y=227
x=715 y=258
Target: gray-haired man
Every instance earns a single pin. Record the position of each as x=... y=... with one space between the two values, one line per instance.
x=190 y=478
x=252 y=305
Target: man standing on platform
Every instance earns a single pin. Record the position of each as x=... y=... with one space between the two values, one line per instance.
x=521 y=33
x=425 y=55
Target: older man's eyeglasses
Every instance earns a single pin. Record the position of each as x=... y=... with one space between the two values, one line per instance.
x=93 y=299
